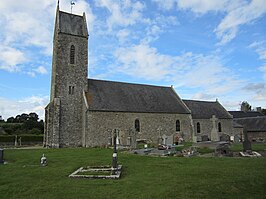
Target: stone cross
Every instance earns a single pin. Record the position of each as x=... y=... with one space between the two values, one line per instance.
x=214 y=132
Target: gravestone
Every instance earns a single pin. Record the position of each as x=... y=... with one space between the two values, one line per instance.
x=224 y=137
x=43 y=161
x=167 y=140
x=132 y=139
x=246 y=144
x=223 y=149
x=214 y=132
x=1 y=156
x=204 y=138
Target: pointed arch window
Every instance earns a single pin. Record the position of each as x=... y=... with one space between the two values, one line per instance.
x=198 y=127
x=177 y=125
x=137 y=125
x=219 y=127
x=72 y=54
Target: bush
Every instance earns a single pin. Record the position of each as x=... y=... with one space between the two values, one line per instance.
x=24 y=138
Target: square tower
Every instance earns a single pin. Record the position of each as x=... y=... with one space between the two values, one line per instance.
x=63 y=115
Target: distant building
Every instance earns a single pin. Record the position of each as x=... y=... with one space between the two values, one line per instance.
x=253 y=121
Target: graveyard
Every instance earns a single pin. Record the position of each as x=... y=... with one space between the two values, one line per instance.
x=142 y=176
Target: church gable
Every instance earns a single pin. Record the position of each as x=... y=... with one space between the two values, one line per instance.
x=126 y=97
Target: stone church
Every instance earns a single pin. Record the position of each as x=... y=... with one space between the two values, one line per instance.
x=84 y=112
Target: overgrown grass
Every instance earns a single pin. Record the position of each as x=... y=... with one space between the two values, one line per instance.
x=142 y=176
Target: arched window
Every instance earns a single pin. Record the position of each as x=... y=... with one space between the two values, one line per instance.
x=137 y=125
x=177 y=125
x=198 y=127
x=72 y=54
x=219 y=127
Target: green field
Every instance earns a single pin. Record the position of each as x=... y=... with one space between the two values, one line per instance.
x=143 y=176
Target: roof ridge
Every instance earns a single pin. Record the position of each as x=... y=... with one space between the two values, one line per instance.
x=119 y=82
x=199 y=101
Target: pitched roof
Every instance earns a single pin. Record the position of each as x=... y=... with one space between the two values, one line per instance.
x=237 y=125
x=242 y=114
x=253 y=124
x=72 y=24
x=127 y=97
x=206 y=109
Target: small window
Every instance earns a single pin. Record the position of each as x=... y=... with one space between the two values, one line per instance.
x=198 y=127
x=177 y=126
x=72 y=54
x=71 y=90
x=219 y=127
x=137 y=125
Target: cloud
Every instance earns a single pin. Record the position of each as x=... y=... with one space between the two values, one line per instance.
x=244 y=14
x=200 y=71
x=166 y=4
x=203 y=96
x=122 y=13
x=11 y=58
x=258 y=91
x=157 y=26
x=41 y=70
x=263 y=69
x=237 y=13
x=29 y=25
x=254 y=86
x=143 y=61
x=202 y=6
x=9 y=108
x=259 y=48
x=122 y=35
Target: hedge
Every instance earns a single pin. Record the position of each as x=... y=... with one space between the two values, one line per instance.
x=24 y=138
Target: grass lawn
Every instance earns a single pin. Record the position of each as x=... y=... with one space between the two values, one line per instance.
x=142 y=177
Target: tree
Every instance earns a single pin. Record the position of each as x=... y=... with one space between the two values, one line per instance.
x=33 y=117
x=10 y=120
x=245 y=106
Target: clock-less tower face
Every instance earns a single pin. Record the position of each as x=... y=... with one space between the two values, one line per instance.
x=69 y=73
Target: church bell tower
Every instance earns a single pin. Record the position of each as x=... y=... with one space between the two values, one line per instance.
x=63 y=115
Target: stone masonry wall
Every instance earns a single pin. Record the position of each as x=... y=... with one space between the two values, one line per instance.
x=74 y=76
x=152 y=126
x=206 y=127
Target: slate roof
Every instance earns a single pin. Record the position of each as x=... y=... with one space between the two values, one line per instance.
x=242 y=114
x=206 y=109
x=72 y=24
x=126 y=97
x=237 y=125
x=253 y=124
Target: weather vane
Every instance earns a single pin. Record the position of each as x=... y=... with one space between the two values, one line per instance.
x=72 y=3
